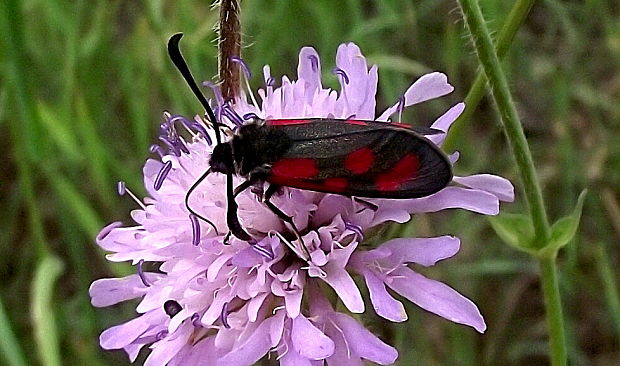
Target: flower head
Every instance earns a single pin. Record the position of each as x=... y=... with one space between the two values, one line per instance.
x=231 y=304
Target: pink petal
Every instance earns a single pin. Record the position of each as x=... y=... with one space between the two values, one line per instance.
x=340 y=257
x=340 y=280
x=276 y=328
x=167 y=348
x=216 y=266
x=254 y=306
x=309 y=341
x=358 y=96
x=498 y=186
x=293 y=358
x=202 y=353
x=121 y=335
x=424 y=251
x=436 y=297
x=330 y=206
x=292 y=300
x=363 y=343
x=390 y=213
x=309 y=71
x=215 y=308
x=444 y=122
x=429 y=86
x=384 y=304
x=367 y=109
x=110 y=291
x=133 y=350
x=342 y=354
x=456 y=197
x=253 y=348
x=247 y=258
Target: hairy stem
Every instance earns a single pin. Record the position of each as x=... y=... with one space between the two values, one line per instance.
x=515 y=18
x=514 y=133
x=229 y=47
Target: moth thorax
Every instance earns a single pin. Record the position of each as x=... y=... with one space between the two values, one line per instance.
x=222 y=159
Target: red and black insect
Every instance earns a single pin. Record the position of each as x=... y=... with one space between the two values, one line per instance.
x=347 y=157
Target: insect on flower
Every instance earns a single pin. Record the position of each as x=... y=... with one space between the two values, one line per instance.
x=350 y=157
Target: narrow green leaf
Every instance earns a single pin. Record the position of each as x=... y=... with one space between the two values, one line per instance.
x=81 y=206
x=60 y=133
x=94 y=150
x=11 y=350
x=608 y=275
x=42 y=310
x=515 y=229
x=400 y=64
x=563 y=230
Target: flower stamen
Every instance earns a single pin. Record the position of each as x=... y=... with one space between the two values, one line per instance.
x=244 y=66
x=161 y=335
x=356 y=229
x=400 y=108
x=224 y=316
x=186 y=123
x=141 y=274
x=263 y=251
x=247 y=74
x=340 y=72
x=290 y=245
x=172 y=308
x=106 y=230
x=314 y=62
x=157 y=149
x=250 y=115
x=229 y=112
x=198 y=125
x=219 y=99
x=122 y=189
x=195 y=229
x=195 y=319
x=162 y=174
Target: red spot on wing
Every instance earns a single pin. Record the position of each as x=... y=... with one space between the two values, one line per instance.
x=284 y=122
x=295 y=168
x=401 y=124
x=356 y=122
x=405 y=169
x=360 y=160
x=335 y=184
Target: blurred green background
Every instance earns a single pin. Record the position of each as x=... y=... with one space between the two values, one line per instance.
x=84 y=85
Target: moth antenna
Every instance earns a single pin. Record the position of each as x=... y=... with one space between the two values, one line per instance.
x=177 y=58
x=190 y=191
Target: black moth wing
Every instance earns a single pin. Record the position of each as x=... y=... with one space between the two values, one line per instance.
x=359 y=158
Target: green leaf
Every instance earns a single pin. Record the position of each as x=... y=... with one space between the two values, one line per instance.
x=400 y=64
x=563 y=230
x=42 y=310
x=60 y=133
x=11 y=349
x=79 y=204
x=516 y=230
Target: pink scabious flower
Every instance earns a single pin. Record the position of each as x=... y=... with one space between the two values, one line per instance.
x=208 y=302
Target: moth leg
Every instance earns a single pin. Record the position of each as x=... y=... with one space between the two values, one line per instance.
x=242 y=187
x=232 y=220
x=226 y=240
x=366 y=204
x=273 y=188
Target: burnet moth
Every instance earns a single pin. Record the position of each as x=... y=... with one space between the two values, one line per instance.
x=349 y=157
